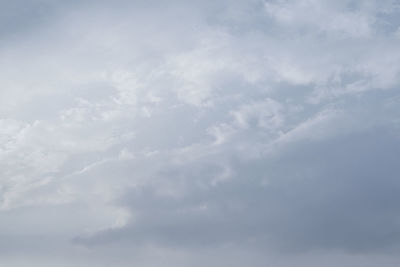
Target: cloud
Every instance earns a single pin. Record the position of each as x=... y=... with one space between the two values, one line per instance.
x=313 y=194
x=199 y=132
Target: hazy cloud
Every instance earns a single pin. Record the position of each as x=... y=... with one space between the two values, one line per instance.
x=181 y=133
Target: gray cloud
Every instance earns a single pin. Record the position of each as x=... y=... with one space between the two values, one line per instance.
x=338 y=194
x=199 y=133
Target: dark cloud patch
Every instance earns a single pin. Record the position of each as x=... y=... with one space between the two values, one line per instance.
x=19 y=18
x=339 y=194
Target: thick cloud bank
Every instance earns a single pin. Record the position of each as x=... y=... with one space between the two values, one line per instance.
x=199 y=133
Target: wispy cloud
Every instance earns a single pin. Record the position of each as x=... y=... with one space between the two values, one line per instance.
x=183 y=133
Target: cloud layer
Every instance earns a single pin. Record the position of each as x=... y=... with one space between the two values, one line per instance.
x=189 y=133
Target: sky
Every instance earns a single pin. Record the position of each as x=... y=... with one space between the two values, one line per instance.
x=261 y=133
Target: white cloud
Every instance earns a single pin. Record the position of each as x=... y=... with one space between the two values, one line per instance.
x=174 y=129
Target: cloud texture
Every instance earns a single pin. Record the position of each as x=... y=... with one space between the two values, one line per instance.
x=193 y=133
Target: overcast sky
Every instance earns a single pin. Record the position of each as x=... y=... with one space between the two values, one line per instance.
x=260 y=133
